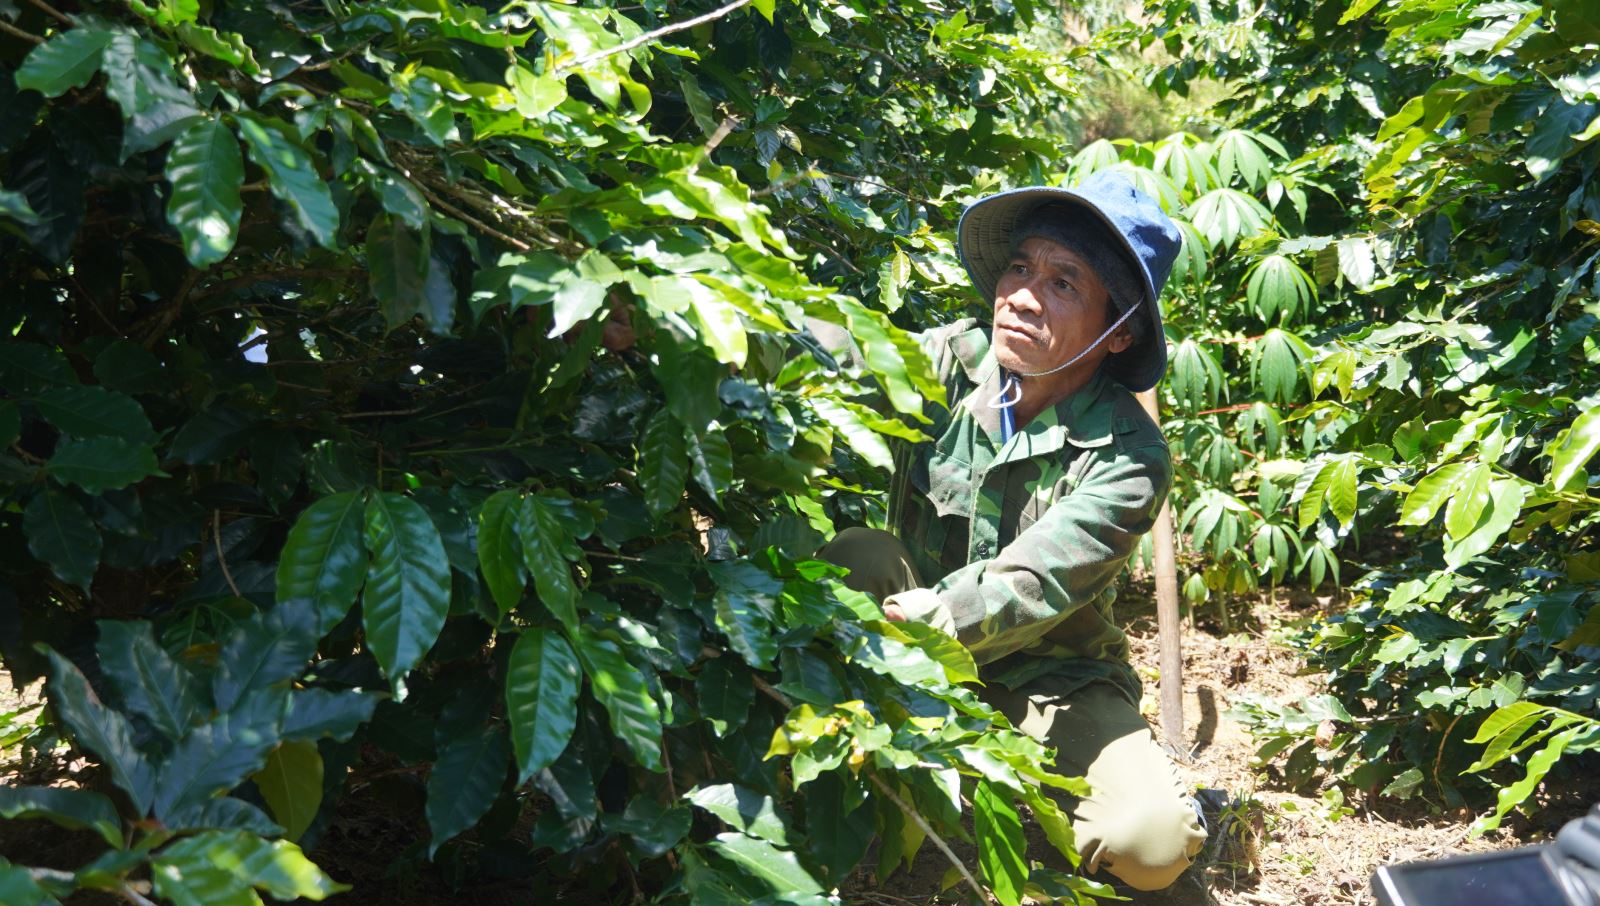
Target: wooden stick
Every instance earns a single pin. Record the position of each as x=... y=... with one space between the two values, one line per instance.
x=1170 y=628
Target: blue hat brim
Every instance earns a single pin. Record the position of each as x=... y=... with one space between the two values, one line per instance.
x=983 y=240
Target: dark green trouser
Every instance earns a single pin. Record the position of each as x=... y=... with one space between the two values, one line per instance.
x=1136 y=821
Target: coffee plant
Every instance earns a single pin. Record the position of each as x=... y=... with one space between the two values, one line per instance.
x=422 y=394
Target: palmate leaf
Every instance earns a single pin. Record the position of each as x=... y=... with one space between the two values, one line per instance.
x=1277 y=367
x=1279 y=289
x=407 y=594
x=621 y=688
x=663 y=464
x=542 y=680
x=60 y=533
x=465 y=781
x=291 y=175
x=291 y=783
x=68 y=60
x=1240 y=153
x=1196 y=379
x=102 y=731
x=71 y=809
x=1224 y=216
x=1185 y=165
x=206 y=170
x=323 y=561
x=150 y=682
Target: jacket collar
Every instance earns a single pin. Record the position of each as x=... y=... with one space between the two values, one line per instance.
x=1083 y=419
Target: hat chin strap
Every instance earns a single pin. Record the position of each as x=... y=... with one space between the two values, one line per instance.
x=1011 y=389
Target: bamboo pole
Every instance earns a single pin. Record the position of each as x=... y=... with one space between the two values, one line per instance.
x=1170 y=626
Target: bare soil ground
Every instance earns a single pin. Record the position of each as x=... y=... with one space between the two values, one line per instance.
x=1297 y=850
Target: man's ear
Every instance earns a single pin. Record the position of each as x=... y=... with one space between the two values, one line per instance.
x=1120 y=339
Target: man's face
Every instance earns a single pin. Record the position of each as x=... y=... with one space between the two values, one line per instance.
x=1049 y=305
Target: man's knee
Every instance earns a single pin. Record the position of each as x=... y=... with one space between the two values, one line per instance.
x=1146 y=842
x=878 y=562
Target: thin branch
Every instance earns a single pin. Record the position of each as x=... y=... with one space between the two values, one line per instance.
x=927 y=829
x=648 y=36
x=222 y=559
x=380 y=413
x=15 y=32
x=464 y=217
x=132 y=891
x=170 y=313
x=52 y=12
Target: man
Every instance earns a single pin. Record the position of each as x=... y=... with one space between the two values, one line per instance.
x=1011 y=526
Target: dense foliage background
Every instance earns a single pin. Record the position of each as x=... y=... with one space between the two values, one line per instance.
x=416 y=398
x=415 y=401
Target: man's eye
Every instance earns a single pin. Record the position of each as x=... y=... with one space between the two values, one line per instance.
x=1064 y=286
x=1019 y=269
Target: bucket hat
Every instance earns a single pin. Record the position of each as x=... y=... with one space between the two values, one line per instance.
x=1133 y=219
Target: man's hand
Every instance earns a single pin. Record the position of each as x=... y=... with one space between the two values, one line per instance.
x=894 y=613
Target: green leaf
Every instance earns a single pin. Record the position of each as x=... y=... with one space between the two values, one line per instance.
x=1280 y=359
x=149 y=681
x=710 y=460
x=1238 y=152
x=500 y=550
x=663 y=464
x=746 y=621
x=407 y=593
x=779 y=870
x=18 y=888
x=99 y=464
x=542 y=681
x=1469 y=500
x=536 y=95
x=1539 y=764
x=217 y=867
x=264 y=651
x=218 y=755
x=156 y=106
x=15 y=206
x=323 y=561
x=744 y=809
x=206 y=170
x=102 y=731
x=1573 y=448
x=292 y=175
x=1342 y=489
x=59 y=533
x=1505 y=504
x=1356 y=262
x=725 y=693
x=581 y=290
x=291 y=783
x=621 y=688
x=317 y=713
x=68 y=60
x=95 y=412
x=1001 y=847
x=71 y=809
x=1431 y=493
x=464 y=782
x=546 y=547
x=1358 y=9
x=765 y=8
x=397 y=268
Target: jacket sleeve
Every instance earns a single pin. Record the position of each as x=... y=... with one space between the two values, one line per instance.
x=1054 y=567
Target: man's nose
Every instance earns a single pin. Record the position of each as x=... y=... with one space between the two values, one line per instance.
x=1022 y=298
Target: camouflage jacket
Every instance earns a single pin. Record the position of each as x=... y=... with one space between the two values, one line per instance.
x=1023 y=541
